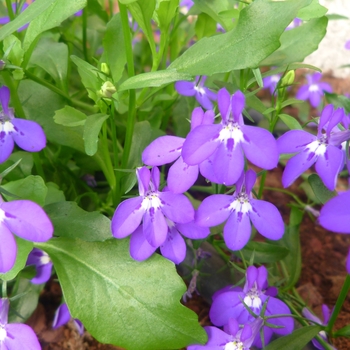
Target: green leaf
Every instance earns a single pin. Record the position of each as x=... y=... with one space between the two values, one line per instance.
x=263 y=252
x=23 y=249
x=152 y=79
x=32 y=188
x=16 y=52
x=322 y=193
x=34 y=10
x=343 y=332
x=298 y=43
x=54 y=194
x=291 y=101
x=338 y=101
x=258 y=77
x=92 y=129
x=334 y=16
x=165 y=12
x=314 y=10
x=256 y=36
x=295 y=341
x=115 y=296
x=69 y=116
x=52 y=17
x=114 y=47
x=71 y=221
x=290 y=121
x=52 y=57
x=205 y=26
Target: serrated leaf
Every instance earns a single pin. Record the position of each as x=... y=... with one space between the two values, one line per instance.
x=92 y=129
x=298 y=43
x=23 y=249
x=321 y=191
x=69 y=116
x=152 y=79
x=33 y=11
x=121 y=301
x=52 y=17
x=291 y=101
x=256 y=36
x=295 y=341
x=290 y=121
x=71 y=221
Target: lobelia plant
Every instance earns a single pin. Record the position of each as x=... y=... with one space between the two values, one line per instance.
x=136 y=162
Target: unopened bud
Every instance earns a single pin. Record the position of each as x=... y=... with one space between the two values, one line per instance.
x=107 y=89
x=105 y=68
x=288 y=79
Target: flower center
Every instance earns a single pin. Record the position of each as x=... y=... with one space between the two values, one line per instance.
x=275 y=78
x=3 y=334
x=234 y=345
x=6 y=117
x=313 y=88
x=231 y=130
x=151 y=200
x=241 y=203
x=318 y=146
x=252 y=298
x=45 y=259
x=200 y=89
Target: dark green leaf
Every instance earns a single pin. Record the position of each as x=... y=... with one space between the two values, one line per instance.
x=295 y=341
x=54 y=194
x=338 y=101
x=71 y=221
x=343 y=332
x=92 y=129
x=69 y=116
x=16 y=52
x=320 y=190
x=205 y=26
x=115 y=296
x=256 y=36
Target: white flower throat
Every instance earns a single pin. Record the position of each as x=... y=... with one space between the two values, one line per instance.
x=151 y=200
x=252 y=298
x=234 y=345
x=241 y=204
x=231 y=130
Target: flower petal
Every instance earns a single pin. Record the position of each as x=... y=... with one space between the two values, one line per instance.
x=185 y=88
x=62 y=316
x=260 y=148
x=224 y=104
x=155 y=227
x=6 y=142
x=8 y=249
x=193 y=231
x=43 y=273
x=206 y=168
x=203 y=99
x=22 y=337
x=140 y=249
x=213 y=210
x=174 y=247
x=4 y=310
x=303 y=93
x=276 y=307
x=294 y=141
x=216 y=340
x=143 y=175
x=267 y=219
x=237 y=105
x=237 y=231
x=163 y=150
x=176 y=207
x=329 y=165
x=28 y=135
x=27 y=220
x=315 y=98
x=201 y=143
x=127 y=217
x=196 y=117
x=5 y=95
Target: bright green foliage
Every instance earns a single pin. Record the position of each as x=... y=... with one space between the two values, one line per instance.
x=165 y=12
x=290 y=121
x=71 y=221
x=69 y=116
x=205 y=26
x=122 y=301
x=92 y=129
x=14 y=45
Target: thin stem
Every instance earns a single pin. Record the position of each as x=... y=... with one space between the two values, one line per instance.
x=262 y=183
x=14 y=96
x=9 y=10
x=116 y=197
x=4 y=289
x=85 y=35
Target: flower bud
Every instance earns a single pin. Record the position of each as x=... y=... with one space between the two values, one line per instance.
x=105 y=68
x=288 y=79
x=107 y=89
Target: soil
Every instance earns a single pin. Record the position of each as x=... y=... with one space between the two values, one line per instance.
x=323 y=272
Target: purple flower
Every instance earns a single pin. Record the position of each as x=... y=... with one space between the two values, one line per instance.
x=238 y=210
x=185 y=6
x=227 y=303
x=335 y=214
x=220 y=148
x=326 y=315
x=153 y=208
x=271 y=82
x=15 y=336
x=324 y=149
x=233 y=338
x=297 y=22
x=347 y=45
x=25 y=133
x=25 y=219
x=63 y=316
x=313 y=90
x=203 y=95
x=43 y=265
x=6 y=19
x=167 y=149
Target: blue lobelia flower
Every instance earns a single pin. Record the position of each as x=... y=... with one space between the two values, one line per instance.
x=203 y=95
x=227 y=303
x=43 y=265
x=239 y=209
x=63 y=316
x=26 y=134
x=167 y=149
x=16 y=217
x=15 y=336
x=153 y=208
x=233 y=338
x=313 y=90
x=271 y=82
x=220 y=148
x=324 y=149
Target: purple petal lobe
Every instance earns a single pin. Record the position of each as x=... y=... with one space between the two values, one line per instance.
x=5 y=98
x=237 y=231
x=29 y=135
x=206 y=168
x=4 y=310
x=196 y=117
x=325 y=116
x=8 y=249
x=22 y=337
x=154 y=227
x=267 y=219
x=127 y=217
x=193 y=231
x=261 y=149
x=19 y=219
x=250 y=178
x=62 y=316
x=200 y=143
x=6 y=141
x=174 y=247
x=181 y=176
x=315 y=98
x=43 y=273
x=143 y=177
x=140 y=249
x=224 y=103
x=294 y=141
x=203 y=99
x=329 y=165
x=303 y=93
x=214 y=210
x=185 y=88
x=163 y=150
x=176 y=207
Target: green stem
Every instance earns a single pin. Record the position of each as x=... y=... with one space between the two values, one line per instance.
x=85 y=35
x=338 y=305
x=132 y=97
x=117 y=174
x=14 y=96
x=9 y=10
x=262 y=183
x=4 y=289
x=38 y=165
